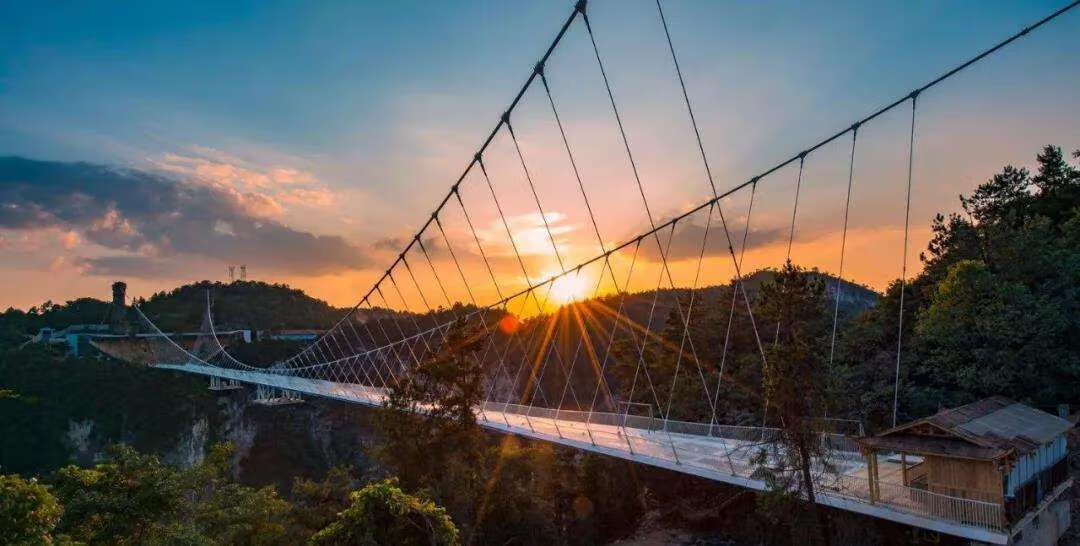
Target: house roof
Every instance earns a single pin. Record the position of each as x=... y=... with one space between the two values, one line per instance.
x=930 y=445
x=993 y=425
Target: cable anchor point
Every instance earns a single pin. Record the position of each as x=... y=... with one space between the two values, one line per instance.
x=580 y=6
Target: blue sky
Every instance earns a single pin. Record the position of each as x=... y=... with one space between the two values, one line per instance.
x=351 y=119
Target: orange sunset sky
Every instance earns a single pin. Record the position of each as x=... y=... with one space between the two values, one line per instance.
x=312 y=156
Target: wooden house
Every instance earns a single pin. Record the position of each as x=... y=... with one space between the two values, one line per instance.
x=994 y=450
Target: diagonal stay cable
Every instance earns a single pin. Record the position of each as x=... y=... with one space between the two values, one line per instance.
x=712 y=185
x=735 y=288
x=686 y=329
x=637 y=177
x=532 y=188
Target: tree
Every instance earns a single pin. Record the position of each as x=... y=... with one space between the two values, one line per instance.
x=316 y=504
x=28 y=511
x=132 y=498
x=225 y=512
x=796 y=386
x=121 y=500
x=429 y=426
x=988 y=335
x=996 y=309
x=381 y=513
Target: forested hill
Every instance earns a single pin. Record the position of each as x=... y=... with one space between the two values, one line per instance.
x=854 y=298
x=995 y=311
x=250 y=305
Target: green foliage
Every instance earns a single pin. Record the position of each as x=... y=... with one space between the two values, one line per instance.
x=16 y=326
x=996 y=309
x=797 y=389
x=225 y=512
x=28 y=511
x=316 y=504
x=720 y=351
x=497 y=488
x=133 y=498
x=429 y=412
x=381 y=513
x=990 y=335
x=1001 y=292
x=122 y=500
x=795 y=301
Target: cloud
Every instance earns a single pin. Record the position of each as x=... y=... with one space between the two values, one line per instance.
x=152 y=214
x=312 y=197
x=432 y=244
x=70 y=239
x=389 y=244
x=688 y=236
x=260 y=190
x=128 y=266
x=531 y=237
x=57 y=263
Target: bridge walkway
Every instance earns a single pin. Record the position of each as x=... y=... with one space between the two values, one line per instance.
x=718 y=452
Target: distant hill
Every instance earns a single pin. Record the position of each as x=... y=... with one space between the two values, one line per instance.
x=257 y=305
x=853 y=297
x=250 y=305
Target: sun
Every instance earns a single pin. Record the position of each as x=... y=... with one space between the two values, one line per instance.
x=567 y=288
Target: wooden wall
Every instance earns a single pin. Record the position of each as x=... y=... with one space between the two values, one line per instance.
x=916 y=472
x=964 y=478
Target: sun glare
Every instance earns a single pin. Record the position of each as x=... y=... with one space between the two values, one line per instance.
x=568 y=288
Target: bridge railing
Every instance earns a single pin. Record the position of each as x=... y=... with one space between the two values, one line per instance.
x=647 y=436
x=979 y=513
x=764 y=435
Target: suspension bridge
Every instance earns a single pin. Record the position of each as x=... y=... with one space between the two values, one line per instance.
x=607 y=352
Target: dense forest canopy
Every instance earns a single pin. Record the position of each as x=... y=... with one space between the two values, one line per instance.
x=996 y=309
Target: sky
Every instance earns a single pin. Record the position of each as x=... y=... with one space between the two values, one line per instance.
x=157 y=142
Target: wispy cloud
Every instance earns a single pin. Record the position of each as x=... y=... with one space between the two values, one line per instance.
x=530 y=234
x=263 y=191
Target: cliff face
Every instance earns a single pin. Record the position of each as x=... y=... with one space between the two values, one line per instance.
x=66 y=410
x=277 y=443
x=274 y=444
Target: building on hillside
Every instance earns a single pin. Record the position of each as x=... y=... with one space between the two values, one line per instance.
x=994 y=451
x=119 y=336
x=76 y=336
x=290 y=335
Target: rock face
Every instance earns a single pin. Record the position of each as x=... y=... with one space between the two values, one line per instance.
x=79 y=438
x=272 y=443
x=276 y=443
x=190 y=450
